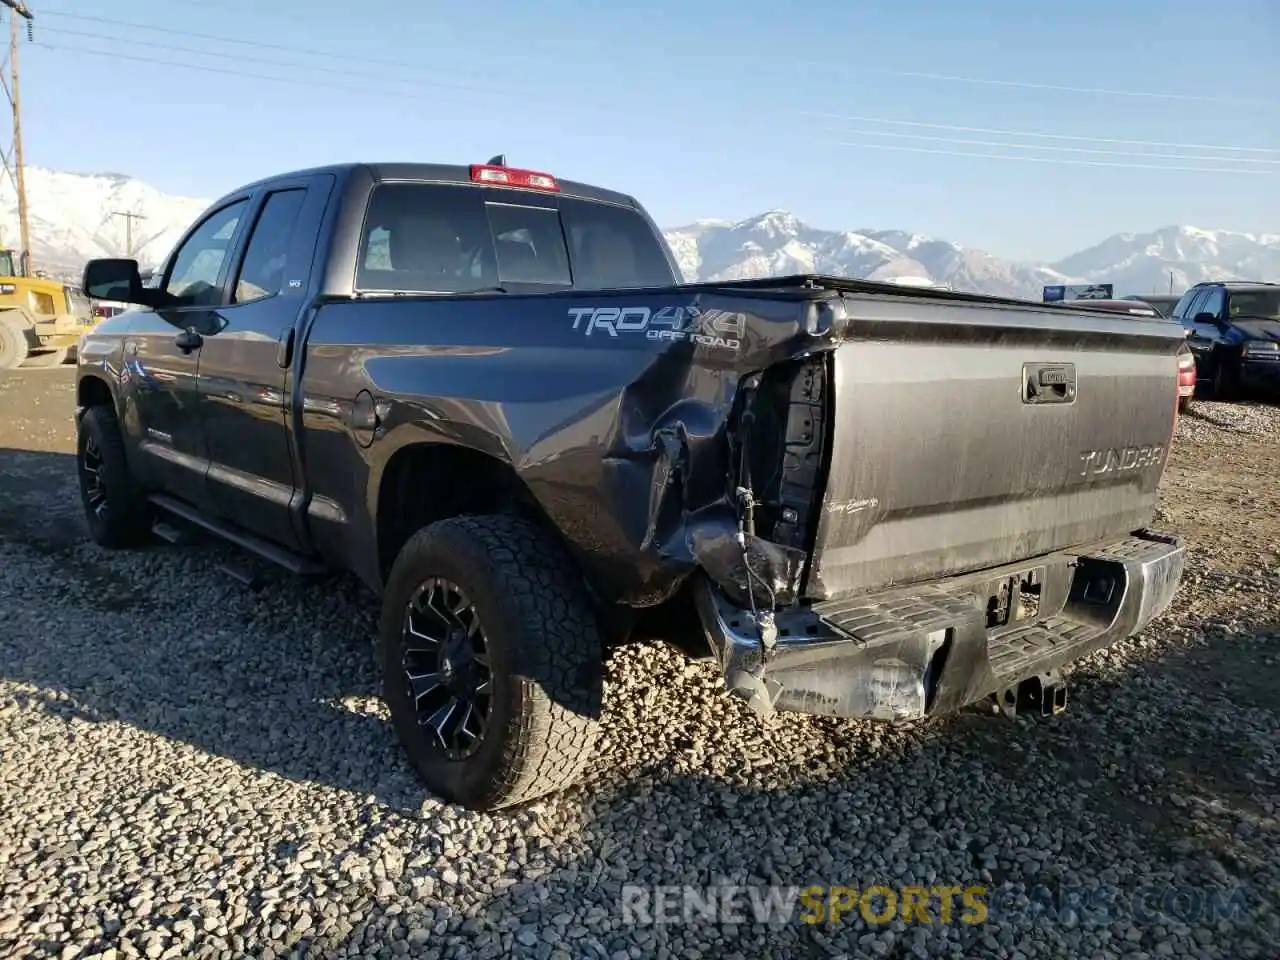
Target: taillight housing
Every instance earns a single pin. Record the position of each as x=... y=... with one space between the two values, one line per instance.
x=511 y=177
x=1177 y=402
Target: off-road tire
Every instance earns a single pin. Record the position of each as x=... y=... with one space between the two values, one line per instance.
x=545 y=654
x=13 y=344
x=125 y=520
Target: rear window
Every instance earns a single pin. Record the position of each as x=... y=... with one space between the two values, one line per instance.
x=429 y=238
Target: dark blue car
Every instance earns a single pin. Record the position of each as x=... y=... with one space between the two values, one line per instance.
x=1233 y=328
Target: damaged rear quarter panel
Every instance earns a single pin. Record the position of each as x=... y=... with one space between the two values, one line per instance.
x=612 y=416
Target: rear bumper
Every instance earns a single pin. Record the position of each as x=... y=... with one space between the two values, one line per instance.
x=930 y=649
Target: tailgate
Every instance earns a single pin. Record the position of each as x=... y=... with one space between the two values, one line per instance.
x=968 y=436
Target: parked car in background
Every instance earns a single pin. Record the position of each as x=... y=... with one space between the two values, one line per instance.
x=103 y=309
x=1233 y=328
x=1123 y=305
x=1162 y=303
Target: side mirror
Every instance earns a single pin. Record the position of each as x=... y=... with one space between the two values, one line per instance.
x=1208 y=318
x=115 y=279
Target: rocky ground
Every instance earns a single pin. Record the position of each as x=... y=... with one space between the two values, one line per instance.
x=190 y=769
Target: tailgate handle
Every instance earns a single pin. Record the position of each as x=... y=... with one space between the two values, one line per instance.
x=1048 y=382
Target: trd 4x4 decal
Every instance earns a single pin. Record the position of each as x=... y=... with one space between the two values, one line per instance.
x=709 y=328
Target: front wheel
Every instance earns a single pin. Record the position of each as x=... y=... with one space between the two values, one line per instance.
x=492 y=662
x=113 y=505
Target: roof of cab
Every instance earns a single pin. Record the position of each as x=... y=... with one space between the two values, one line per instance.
x=1238 y=284
x=444 y=173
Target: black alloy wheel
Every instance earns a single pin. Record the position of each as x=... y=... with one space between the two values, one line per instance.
x=445 y=661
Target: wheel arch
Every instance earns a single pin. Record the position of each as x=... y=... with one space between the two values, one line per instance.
x=423 y=481
x=93 y=391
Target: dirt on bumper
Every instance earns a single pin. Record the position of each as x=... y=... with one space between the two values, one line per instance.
x=920 y=651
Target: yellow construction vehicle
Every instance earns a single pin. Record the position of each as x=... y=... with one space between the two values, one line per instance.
x=40 y=319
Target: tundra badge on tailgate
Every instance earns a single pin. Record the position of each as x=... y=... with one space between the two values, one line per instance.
x=1095 y=463
x=708 y=328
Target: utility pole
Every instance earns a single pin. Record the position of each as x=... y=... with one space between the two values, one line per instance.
x=19 y=10
x=128 y=228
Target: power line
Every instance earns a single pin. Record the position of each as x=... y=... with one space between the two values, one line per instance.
x=1052 y=160
x=329 y=55
x=1046 y=147
x=947 y=78
x=223 y=71
x=228 y=72
x=270 y=61
x=1117 y=153
x=1042 y=136
x=1028 y=85
x=128 y=228
x=470 y=89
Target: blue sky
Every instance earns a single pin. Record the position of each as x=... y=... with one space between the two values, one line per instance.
x=884 y=113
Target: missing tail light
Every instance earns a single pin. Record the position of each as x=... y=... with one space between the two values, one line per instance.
x=783 y=439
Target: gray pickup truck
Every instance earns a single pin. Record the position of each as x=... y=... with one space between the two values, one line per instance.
x=486 y=393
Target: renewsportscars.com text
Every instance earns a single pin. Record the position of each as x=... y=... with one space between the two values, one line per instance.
x=967 y=904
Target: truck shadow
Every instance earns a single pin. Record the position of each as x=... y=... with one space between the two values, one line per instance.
x=282 y=679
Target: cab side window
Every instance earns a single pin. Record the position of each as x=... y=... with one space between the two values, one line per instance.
x=1182 y=307
x=262 y=271
x=1214 y=303
x=1191 y=305
x=193 y=278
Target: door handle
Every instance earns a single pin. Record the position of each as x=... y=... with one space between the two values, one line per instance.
x=188 y=340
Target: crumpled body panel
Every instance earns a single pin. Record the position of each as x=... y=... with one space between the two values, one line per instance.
x=615 y=410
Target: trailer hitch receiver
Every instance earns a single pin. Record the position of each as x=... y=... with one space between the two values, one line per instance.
x=1044 y=694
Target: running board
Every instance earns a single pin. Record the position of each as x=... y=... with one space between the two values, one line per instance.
x=295 y=563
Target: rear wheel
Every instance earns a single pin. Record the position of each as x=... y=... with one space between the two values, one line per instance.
x=13 y=344
x=114 y=507
x=492 y=662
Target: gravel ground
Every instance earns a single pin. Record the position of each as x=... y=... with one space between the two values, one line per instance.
x=190 y=769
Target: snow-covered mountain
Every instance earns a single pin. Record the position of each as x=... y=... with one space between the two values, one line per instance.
x=776 y=243
x=75 y=217
x=1144 y=261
